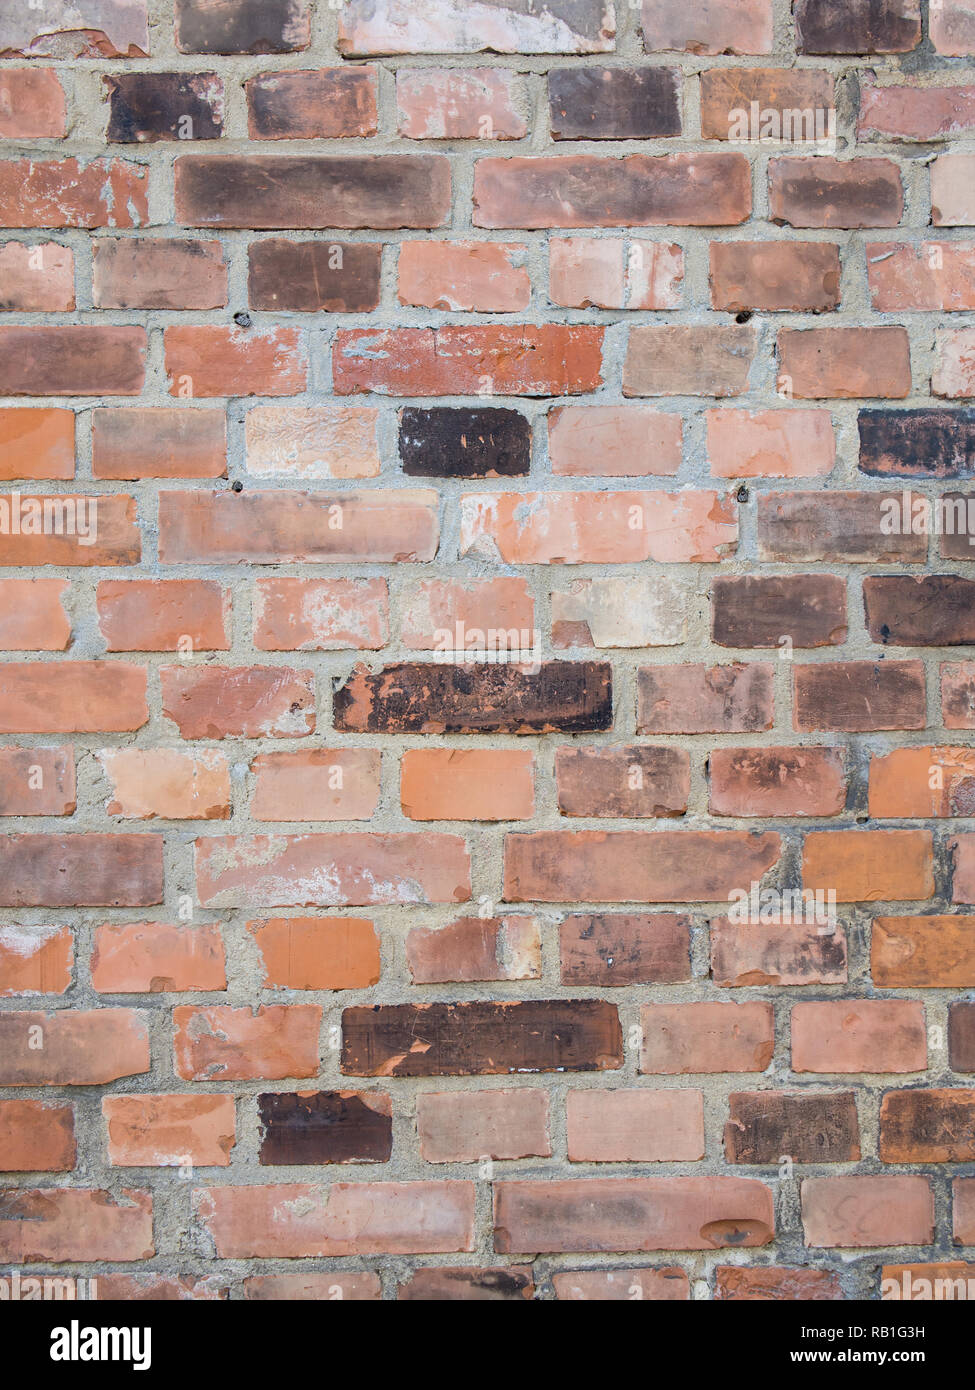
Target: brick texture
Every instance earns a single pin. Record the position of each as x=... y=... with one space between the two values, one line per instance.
x=486 y=617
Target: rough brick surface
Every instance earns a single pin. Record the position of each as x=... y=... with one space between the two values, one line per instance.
x=487 y=491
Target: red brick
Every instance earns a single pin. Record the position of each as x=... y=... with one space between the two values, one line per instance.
x=901 y=783
x=818 y=363
x=869 y=865
x=314 y=276
x=581 y=528
x=35 y=960
x=320 y=614
x=152 y=1131
x=954 y=373
x=936 y=952
x=291 y=1288
x=628 y=1126
x=460 y=104
x=317 y=953
x=664 y=1285
x=66 y=1225
x=80 y=1047
x=159 y=442
x=953 y=28
x=157 y=958
x=155 y=273
x=81 y=870
x=707 y=26
x=838 y=26
x=317 y=442
x=72 y=361
x=239 y=701
x=68 y=529
x=468 y=1126
x=322 y=104
x=952 y=203
x=32 y=615
x=527 y=360
x=601 y=273
x=487 y=276
x=37 y=782
x=323 y=784
x=223 y=1043
x=807 y=1126
x=728 y=92
x=682 y=1038
x=36 y=1137
x=344 y=870
x=934 y=275
x=958 y=694
x=852 y=527
x=689 y=360
x=433 y=608
x=291 y=1220
x=927 y=1126
x=36 y=278
x=619 y=1214
x=316 y=1127
x=697 y=699
x=622 y=782
x=859 y=1035
x=744 y=954
x=614 y=949
x=77 y=29
x=777 y=781
x=65 y=193
x=467 y=784
x=475 y=948
x=911 y=111
x=961 y=852
x=775 y=1284
x=614 y=441
x=963 y=1211
x=620 y=611
x=163 y=615
x=32 y=105
x=36 y=443
x=72 y=697
x=637 y=190
x=210 y=360
x=775 y=275
x=297 y=527
x=866 y=1212
x=511 y=1284
x=806 y=610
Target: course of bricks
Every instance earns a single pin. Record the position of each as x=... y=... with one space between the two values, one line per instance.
x=332 y=966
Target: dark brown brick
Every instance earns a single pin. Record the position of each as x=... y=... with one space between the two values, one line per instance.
x=414 y=697
x=961 y=1037
x=149 y=106
x=923 y=1126
x=857 y=26
x=836 y=526
x=441 y=442
x=618 y=948
x=808 y=1127
x=614 y=103
x=323 y=105
x=512 y=1284
x=623 y=782
x=81 y=870
x=481 y=1038
x=243 y=26
x=312 y=276
x=820 y=191
x=860 y=696
x=917 y=443
x=325 y=1127
x=726 y=92
x=758 y=611
x=271 y=192
x=928 y=610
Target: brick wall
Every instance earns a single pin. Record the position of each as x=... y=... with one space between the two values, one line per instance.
x=336 y=338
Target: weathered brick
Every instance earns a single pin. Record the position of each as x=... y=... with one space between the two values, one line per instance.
x=952 y=203
x=857 y=26
x=777 y=781
x=65 y=193
x=744 y=954
x=707 y=26
x=687 y=360
x=921 y=443
x=642 y=611
x=166 y=782
x=155 y=1131
x=320 y=614
x=512 y=1284
x=246 y=26
x=636 y=781
x=157 y=958
x=317 y=952
x=36 y=443
x=915 y=111
x=961 y=1037
x=37 y=782
x=444 y=442
x=628 y=1126
x=480 y=1038
x=281 y=191
x=410 y=26
x=775 y=275
x=475 y=948
x=561 y=866
x=68 y=529
x=312 y=442
x=163 y=615
x=36 y=1137
x=859 y=696
x=867 y=1212
x=869 y=865
x=841 y=1036
x=623 y=441
x=72 y=697
x=605 y=273
x=239 y=701
x=807 y=1126
x=72 y=361
x=351 y=1288
x=67 y=1225
x=727 y=95
x=147 y=106
x=487 y=276
x=637 y=103
x=699 y=190
x=927 y=1126
x=35 y=960
x=844 y=527
x=68 y=29
x=81 y=1047
x=210 y=360
x=953 y=27
x=696 y=699
x=936 y=952
x=660 y=1285
x=468 y=1126
x=614 y=949
x=958 y=694
x=311 y=276
x=467 y=784
x=153 y=273
x=83 y=870
x=222 y=1043
x=32 y=616
x=818 y=363
x=433 y=609
x=36 y=279
x=827 y=192
x=954 y=374
x=935 y=275
x=775 y=1284
x=931 y=610
x=32 y=104
x=923 y=783
x=460 y=104
x=682 y=1038
x=159 y=442
x=809 y=610
x=323 y=104
x=620 y=1214
x=961 y=858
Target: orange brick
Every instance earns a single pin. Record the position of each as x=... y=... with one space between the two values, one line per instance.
x=468 y=784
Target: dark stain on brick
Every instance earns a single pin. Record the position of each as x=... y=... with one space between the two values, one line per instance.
x=961 y=1037
x=445 y=443
x=314 y=276
x=325 y=1127
x=481 y=1038
x=425 y=698
x=510 y=1285
x=149 y=106
x=765 y=1126
x=931 y=610
x=608 y=948
x=758 y=611
x=614 y=103
x=857 y=26
x=921 y=1126
x=934 y=443
x=323 y=104
x=246 y=26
